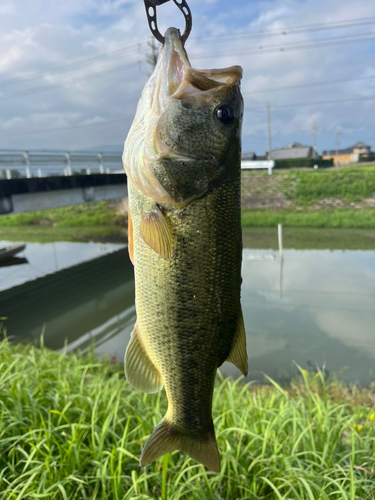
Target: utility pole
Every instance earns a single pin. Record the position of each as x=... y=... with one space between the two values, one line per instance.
x=314 y=131
x=152 y=57
x=269 y=130
x=338 y=133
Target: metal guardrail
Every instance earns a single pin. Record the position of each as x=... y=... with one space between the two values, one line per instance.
x=42 y=163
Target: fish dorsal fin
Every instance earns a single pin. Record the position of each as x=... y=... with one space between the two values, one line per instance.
x=140 y=371
x=238 y=355
x=156 y=233
x=130 y=238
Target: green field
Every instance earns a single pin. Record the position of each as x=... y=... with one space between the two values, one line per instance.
x=72 y=428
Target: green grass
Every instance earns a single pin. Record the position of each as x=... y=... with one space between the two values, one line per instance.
x=309 y=186
x=47 y=234
x=72 y=428
x=341 y=217
x=87 y=215
x=309 y=238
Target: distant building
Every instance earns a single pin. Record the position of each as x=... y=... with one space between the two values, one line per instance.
x=249 y=156
x=253 y=157
x=293 y=151
x=359 y=151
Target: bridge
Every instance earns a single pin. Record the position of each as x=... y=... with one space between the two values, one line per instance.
x=42 y=179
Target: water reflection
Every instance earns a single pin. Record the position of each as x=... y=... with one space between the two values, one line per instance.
x=44 y=259
x=75 y=304
x=321 y=313
x=315 y=308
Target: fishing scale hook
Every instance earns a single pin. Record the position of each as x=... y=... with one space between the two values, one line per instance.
x=151 y=5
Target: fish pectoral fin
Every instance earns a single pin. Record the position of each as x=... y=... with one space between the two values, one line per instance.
x=140 y=371
x=166 y=438
x=156 y=233
x=238 y=354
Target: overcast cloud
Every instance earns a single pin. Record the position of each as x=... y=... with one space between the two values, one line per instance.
x=74 y=70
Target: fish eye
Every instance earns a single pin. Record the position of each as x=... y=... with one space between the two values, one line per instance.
x=225 y=114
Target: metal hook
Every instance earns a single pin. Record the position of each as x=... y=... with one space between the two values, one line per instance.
x=151 y=5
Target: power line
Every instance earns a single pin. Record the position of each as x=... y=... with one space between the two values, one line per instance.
x=127 y=50
x=315 y=103
x=268 y=49
x=249 y=135
x=251 y=51
x=75 y=66
x=54 y=86
x=320 y=103
x=294 y=29
x=305 y=85
x=47 y=130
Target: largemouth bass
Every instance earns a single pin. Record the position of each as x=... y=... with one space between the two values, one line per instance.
x=182 y=159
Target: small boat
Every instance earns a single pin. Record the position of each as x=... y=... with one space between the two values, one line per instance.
x=13 y=261
x=8 y=252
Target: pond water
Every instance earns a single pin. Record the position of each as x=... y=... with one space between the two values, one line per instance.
x=314 y=307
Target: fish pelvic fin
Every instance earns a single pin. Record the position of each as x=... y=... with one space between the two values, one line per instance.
x=156 y=233
x=167 y=437
x=238 y=354
x=140 y=371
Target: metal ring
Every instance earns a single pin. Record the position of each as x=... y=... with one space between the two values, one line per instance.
x=151 y=5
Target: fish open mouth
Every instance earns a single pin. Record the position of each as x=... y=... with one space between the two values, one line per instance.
x=182 y=79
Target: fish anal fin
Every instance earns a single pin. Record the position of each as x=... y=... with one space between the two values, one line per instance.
x=238 y=355
x=167 y=438
x=156 y=233
x=130 y=238
x=140 y=371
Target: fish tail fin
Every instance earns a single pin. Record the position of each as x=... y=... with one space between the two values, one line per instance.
x=166 y=438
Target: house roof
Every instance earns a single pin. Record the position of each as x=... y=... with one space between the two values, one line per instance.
x=292 y=151
x=361 y=145
x=357 y=145
x=332 y=152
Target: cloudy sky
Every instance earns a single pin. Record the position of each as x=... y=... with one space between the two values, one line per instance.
x=72 y=72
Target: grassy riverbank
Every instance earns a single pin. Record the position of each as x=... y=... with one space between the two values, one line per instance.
x=97 y=221
x=341 y=217
x=48 y=234
x=72 y=428
x=339 y=197
x=102 y=213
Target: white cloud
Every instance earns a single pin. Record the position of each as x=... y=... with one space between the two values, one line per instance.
x=39 y=38
x=93 y=121
x=14 y=123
